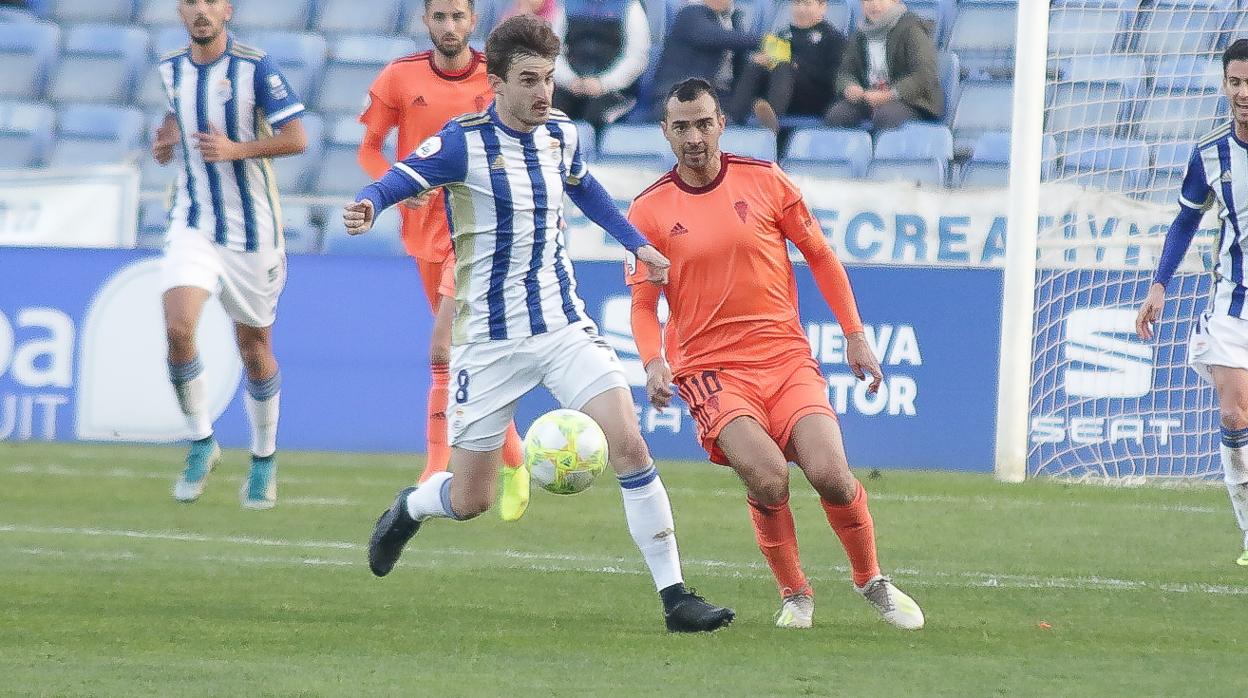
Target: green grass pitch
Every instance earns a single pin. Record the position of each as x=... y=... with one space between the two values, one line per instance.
x=109 y=587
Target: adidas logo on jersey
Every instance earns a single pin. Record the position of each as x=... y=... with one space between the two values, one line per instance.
x=420 y=101
x=678 y=229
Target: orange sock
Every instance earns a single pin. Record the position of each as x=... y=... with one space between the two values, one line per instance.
x=777 y=539
x=439 y=393
x=513 y=448
x=853 y=525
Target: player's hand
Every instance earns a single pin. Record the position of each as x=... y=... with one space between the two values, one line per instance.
x=418 y=201
x=862 y=361
x=878 y=97
x=358 y=217
x=217 y=147
x=854 y=93
x=1150 y=311
x=656 y=264
x=659 y=383
x=761 y=59
x=167 y=136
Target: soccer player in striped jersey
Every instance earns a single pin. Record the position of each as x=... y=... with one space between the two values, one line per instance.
x=518 y=320
x=418 y=94
x=1218 y=347
x=736 y=344
x=230 y=110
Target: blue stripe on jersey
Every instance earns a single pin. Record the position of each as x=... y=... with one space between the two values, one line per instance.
x=503 y=234
x=533 y=292
x=214 y=179
x=240 y=169
x=192 y=210
x=1237 y=254
x=561 y=273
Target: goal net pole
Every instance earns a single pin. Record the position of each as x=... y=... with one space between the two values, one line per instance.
x=1018 y=298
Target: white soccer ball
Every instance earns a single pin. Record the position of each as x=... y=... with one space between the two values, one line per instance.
x=565 y=451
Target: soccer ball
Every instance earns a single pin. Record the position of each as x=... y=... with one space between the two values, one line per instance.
x=565 y=451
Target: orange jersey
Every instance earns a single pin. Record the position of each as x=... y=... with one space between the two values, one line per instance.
x=412 y=94
x=731 y=290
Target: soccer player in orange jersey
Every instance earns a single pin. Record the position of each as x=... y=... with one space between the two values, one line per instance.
x=737 y=349
x=418 y=94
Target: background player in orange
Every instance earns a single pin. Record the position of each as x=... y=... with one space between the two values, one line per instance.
x=418 y=94
x=741 y=359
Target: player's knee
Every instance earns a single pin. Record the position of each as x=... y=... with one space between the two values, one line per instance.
x=771 y=487
x=1235 y=416
x=181 y=337
x=839 y=491
x=629 y=454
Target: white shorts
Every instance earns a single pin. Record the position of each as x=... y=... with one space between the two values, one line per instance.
x=249 y=282
x=489 y=378
x=1217 y=339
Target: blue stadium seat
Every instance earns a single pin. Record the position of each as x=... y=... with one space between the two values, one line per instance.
x=354 y=62
x=100 y=63
x=153 y=224
x=636 y=146
x=97 y=134
x=301 y=226
x=1107 y=163
x=154 y=177
x=587 y=138
x=355 y=17
x=984 y=105
x=949 y=70
x=1169 y=167
x=939 y=14
x=915 y=152
x=657 y=17
x=294 y=172
x=983 y=37
x=168 y=38
x=299 y=55
x=836 y=152
x=382 y=241
x=13 y=14
x=1179 y=115
x=161 y=13
x=1190 y=73
x=28 y=51
x=25 y=134
x=274 y=15
x=339 y=170
x=1172 y=27
x=758 y=143
x=115 y=11
x=1081 y=30
x=989 y=165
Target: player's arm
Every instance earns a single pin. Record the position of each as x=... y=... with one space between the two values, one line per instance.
x=379 y=118
x=1194 y=198
x=799 y=226
x=598 y=206
x=167 y=136
x=281 y=107
x=439 y=161
x=647 y=332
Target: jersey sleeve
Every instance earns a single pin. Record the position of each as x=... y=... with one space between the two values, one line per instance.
x=441 y=160
x=633 y=271
x=274 y=95
x=795 y=220
x=381 y=113
x=1196 y=193
x=577 y=170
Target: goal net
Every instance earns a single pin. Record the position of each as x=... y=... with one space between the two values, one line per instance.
x=1130 y=88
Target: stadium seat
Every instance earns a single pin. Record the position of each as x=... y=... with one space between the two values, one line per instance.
x=100 y=63
x=153 y=224
x=983 y=37
x=383 y=240
x=939 y=15
x=354 y=62
x=984 y=105
x=1084 y=107
x=25 y=133
x=1107 y=163
x=758 y=143
x=301 y=226
x=1190 y=73
x=949 y=70
x=13 y=14
x=1179 y=115
x=989 y=165
x=355 y=17
x=160 y=13
x=114 y=11
x=299 y=55
x=97 y=134
x=294 y=172
x=275 y=15
x=339 y=172
x=635 y=146
x=587 y=138
x=916 y=152
x=657 y=17
x=1083 y=30
x=1169 y=167
x=835 y=152
x=1172 y=27
x=28 y=51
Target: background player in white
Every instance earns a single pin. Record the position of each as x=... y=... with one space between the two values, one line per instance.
x=1218 y=349
x=225 y=232
x=518 y=320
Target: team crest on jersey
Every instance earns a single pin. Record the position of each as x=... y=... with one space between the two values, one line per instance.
x=225 y=90
x=742 y=209
x=276 y=88
x=431 y=146
x=498 y=163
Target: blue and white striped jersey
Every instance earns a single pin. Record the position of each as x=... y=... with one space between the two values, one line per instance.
x=243 y=95
x=504 y=201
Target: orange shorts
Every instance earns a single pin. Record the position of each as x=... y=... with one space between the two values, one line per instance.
x=775 y=397
x=438 y=279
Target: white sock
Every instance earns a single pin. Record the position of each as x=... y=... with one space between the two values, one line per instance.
x=649 y=515
x=1235 y=474
x=188 y=384
x=432 y=499
x=263 y=401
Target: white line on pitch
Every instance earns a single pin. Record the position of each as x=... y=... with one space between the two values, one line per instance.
x=618 y=565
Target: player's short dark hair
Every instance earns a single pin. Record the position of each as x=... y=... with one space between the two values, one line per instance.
x=519 y=36
x=472 y=5
x=1237 y=51
x=689 y=90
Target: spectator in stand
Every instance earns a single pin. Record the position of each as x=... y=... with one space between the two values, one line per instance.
x=888 y=74
x=545 y=9
x=606 y=46
x=707 y=40
x=795 y=72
